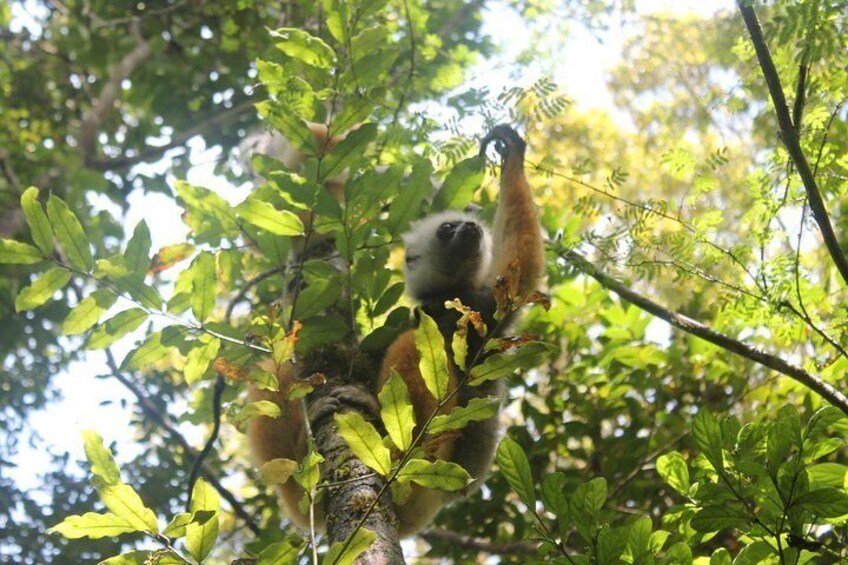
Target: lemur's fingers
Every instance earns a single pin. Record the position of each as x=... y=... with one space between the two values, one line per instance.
x=507 y=141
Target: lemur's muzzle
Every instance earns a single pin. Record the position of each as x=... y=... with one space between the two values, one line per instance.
x=466 y=239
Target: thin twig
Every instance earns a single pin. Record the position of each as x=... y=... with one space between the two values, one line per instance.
x=220 y=385
x=650 y=210
x=813 y=382
x=165 y=422
x=245 y=288
x=790 y=137
x=520 y=548
x=9 y=172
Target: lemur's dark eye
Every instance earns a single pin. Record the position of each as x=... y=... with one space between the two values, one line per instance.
x=445 y=231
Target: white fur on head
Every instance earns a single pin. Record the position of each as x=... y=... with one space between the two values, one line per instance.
x=431 y=270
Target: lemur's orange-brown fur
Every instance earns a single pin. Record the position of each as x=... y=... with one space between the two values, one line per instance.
x=516 y=237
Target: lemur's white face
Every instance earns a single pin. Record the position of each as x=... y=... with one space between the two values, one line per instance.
x=446 y=252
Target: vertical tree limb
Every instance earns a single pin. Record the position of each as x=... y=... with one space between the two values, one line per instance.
x=790 y=137
x=350 y=504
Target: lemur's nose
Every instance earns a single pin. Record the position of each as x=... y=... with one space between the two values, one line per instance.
x=470 y=230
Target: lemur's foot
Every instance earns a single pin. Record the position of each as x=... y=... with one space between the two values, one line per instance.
x=342 y=398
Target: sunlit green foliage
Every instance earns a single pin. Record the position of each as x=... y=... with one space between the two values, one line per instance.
x=626 y=441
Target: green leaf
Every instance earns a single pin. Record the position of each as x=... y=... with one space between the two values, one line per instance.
x=707 y=433
x=553 y=495
x=516 y=469
x=100 y=458
x=611 y=544
x=208 y=213
x=815 y=449
x=16 y=253
x=70 y=234
x=396 y=411
x=673 y=470
x=639 y=534
x=348 y=150
x=280 y=553
x=590 y=497
x=505 y=363
x=200 y=538
x=42 y=289
x=115 y=328
x=364 y=441
x=123 y=501
x=319 y=294
x=203 y=285
x=144 y=294
x=678 y=554
x=825 y=502
x=754 y=554
x=459 y=348
x=254 y=409
x=277 y=471
x=715 y=518
x=434 y=360
x=93 y=526
x=657 y=539
x=438 y=474
x=478 y=409
x=310 y=471
x=827 y=475
x=273 y=247
x=388 y=299
x=293 y=127
x=139 y=557
x=199 y=358
x=460 y=184
x=137 y=255
x=264 y=216
x=37 y=220
x=177 y=526
x=784 y=433
x=88 y=312
x=368 y=7
x=821 y=420
x=151 y=350
x=321 y=330
x=303 y=46
x=720 y=557
x=361 y=540
x=336 y=14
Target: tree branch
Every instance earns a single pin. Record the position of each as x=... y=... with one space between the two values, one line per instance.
x=154 y=152
x=521 y=548
x=789 y=136
x=9 y=172
x=109 y=94
x=813 y=382
x=164 y=421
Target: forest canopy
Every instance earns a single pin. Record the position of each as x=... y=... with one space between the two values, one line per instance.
x=676 y=394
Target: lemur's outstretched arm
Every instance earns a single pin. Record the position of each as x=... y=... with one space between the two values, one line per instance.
x=517 y=235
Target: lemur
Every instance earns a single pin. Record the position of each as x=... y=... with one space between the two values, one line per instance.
x=448 y=255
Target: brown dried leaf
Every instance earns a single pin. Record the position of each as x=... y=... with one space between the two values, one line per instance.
x=229 y=371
